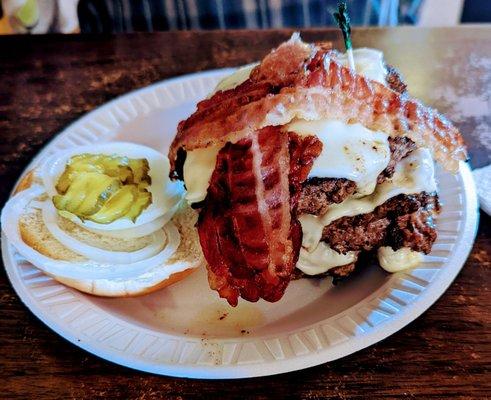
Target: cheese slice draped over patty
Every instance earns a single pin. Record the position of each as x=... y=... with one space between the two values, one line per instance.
x=413 y=174
x=349 y=151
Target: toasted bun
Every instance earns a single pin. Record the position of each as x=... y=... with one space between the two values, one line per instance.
x=188 y=255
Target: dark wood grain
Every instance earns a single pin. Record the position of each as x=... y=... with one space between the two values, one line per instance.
x=48 y=81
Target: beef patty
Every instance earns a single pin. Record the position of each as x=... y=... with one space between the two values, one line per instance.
x=319 y=193
x=402 y=221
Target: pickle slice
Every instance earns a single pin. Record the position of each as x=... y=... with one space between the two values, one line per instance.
x=99 y=191
x=87 y=193
x=114 y=166
x=140 y=170
x=72 y=171
x=124 y=168
x=103 y=188
x=143 y=200
x=74 y=196
x=64 y=181
x=84 y=163
x=110 y=165
x=117 y=206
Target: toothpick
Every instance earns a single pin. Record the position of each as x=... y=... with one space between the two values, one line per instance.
x=342 y=18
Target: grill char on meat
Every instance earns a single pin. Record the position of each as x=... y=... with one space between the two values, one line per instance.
x=319 y=193
x=402 y=221
x=400 y=147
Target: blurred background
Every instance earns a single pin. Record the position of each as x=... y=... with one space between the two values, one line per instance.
x=115 y=16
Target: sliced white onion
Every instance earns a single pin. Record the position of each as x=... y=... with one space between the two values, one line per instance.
x=137 y=231
x=36 y=204
x=165 y=194
x=17 y=206
x=50 y=218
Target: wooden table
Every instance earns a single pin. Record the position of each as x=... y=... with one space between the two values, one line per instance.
x=49 y=81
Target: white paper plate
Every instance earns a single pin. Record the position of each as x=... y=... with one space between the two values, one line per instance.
x=186 y=330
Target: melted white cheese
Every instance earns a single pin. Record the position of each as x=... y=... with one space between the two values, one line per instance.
x=414 y=174
x=322 y=259
x=368 y=62
x=398 y=260
x=198 y=167
x=349 y=151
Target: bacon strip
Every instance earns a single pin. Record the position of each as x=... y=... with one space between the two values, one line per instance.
x=322 y=88
x=278 y=69
x=247 y=227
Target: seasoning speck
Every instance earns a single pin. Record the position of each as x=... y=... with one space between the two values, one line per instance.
x=223 y=316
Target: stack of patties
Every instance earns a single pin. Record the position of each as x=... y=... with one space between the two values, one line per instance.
x=300 y=161
x=367 y=191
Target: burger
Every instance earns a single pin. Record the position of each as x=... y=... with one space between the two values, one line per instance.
x=303 y=166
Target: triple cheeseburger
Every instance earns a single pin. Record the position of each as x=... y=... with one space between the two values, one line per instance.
x=302 y=162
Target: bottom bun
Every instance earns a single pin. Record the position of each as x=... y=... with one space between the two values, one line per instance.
x=128 y=288
x=185 y=260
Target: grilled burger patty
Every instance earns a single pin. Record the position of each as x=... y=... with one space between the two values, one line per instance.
x=392 y=224
x=402 y=221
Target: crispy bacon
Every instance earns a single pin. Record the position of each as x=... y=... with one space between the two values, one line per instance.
x=303 y=151
x=247 y=227
x=278 y=69
x=282 y=66
x=322 y=88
